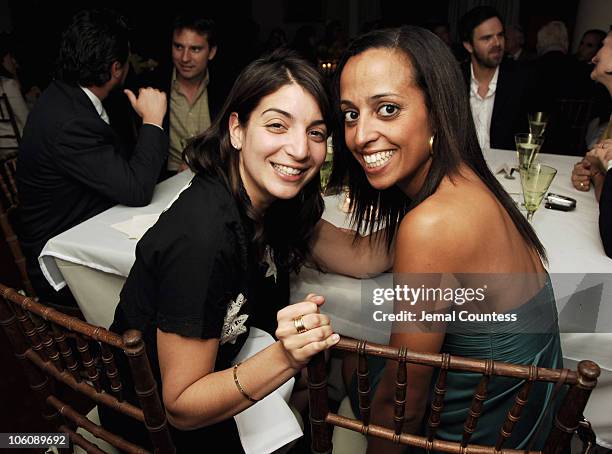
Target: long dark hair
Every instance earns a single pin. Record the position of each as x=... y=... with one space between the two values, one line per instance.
x=437 y=75
x=287 y=225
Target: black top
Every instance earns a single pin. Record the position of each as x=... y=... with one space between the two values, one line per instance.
x=605 y=214
x=73 y=166
x=190 y=267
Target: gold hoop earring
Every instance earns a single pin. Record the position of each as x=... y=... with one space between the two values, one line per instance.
x=431 y=141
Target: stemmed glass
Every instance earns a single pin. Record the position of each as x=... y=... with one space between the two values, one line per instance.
x=537 y=123
x=527 y=148
x=326 y=168
x=535 y=180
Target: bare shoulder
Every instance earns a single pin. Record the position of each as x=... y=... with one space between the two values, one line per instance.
x=444 y=232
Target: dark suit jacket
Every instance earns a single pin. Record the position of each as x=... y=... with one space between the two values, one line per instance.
x=72 y=166
x=510 y=108
x=605 y=214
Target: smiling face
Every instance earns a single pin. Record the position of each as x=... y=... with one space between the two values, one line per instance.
x=386 y=123
x=282 y=146
x=487 y=44
x=191 y=54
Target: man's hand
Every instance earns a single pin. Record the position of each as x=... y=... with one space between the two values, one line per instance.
x=581 y=175
x=150 y=105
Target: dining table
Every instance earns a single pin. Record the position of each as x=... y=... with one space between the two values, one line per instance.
x=94 y=258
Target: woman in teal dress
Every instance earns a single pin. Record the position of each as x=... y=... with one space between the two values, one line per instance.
x=408 y=150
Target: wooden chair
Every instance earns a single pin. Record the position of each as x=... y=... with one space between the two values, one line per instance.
x=8 y=169
x=567 y=420
x=7 y=117
x=13 y=242
x=8 y=178
x=38 y=335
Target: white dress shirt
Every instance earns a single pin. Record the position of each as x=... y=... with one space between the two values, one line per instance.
x=482 y=108
x=97 y=104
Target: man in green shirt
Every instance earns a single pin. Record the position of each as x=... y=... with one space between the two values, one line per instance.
x=193 y=47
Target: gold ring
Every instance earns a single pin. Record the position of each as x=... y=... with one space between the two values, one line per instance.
x=299 y=324
x=581 y=184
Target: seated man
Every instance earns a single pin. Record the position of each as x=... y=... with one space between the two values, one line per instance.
x=597 y=163
x=194 y=94
x=71 y=163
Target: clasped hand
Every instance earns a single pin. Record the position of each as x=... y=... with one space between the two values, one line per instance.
x=317 y=334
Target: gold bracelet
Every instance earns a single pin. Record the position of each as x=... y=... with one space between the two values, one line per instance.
x=239 y=386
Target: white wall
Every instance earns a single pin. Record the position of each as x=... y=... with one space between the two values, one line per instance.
x=591 y=14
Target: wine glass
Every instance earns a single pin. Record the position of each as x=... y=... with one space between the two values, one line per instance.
x=326 y=168
x=527 y=148
x=535 y=180
x=537 y=123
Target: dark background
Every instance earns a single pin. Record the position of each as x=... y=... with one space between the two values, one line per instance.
x=37 y=25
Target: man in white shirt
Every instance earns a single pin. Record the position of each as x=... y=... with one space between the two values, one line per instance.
x=495 y=90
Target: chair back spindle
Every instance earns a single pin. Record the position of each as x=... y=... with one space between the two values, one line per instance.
x=567 y=420
x=44 y=340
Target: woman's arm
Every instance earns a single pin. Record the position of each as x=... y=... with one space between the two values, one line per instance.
x=425 y=244
x=195 y=395
x=335 y=250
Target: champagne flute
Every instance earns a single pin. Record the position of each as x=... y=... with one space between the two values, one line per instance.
x=527 y=148
x=535 y=180
x=326 y=168
x=537 y=123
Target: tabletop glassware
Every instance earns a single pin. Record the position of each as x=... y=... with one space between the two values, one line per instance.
x=326 y=168
x=344 y=200
x=537 y=123
x=527 y=148
x=535 y=181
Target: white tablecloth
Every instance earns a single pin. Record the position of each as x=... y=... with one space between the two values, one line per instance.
x=94 y=260
x=574 y=248
x=95 y=244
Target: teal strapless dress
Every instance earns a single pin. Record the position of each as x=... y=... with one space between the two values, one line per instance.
x=533 y=341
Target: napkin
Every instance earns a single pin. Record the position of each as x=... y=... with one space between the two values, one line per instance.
x=503 y=168
x=336 y=214
x=270 y=423
x=136 y=227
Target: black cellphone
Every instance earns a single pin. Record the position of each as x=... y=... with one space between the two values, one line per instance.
x=559 y=202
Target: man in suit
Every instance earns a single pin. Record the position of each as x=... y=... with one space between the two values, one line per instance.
x=496 y=89
x=515 y=45
x=596 y=166
x=71 y=163
x=194 y=96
